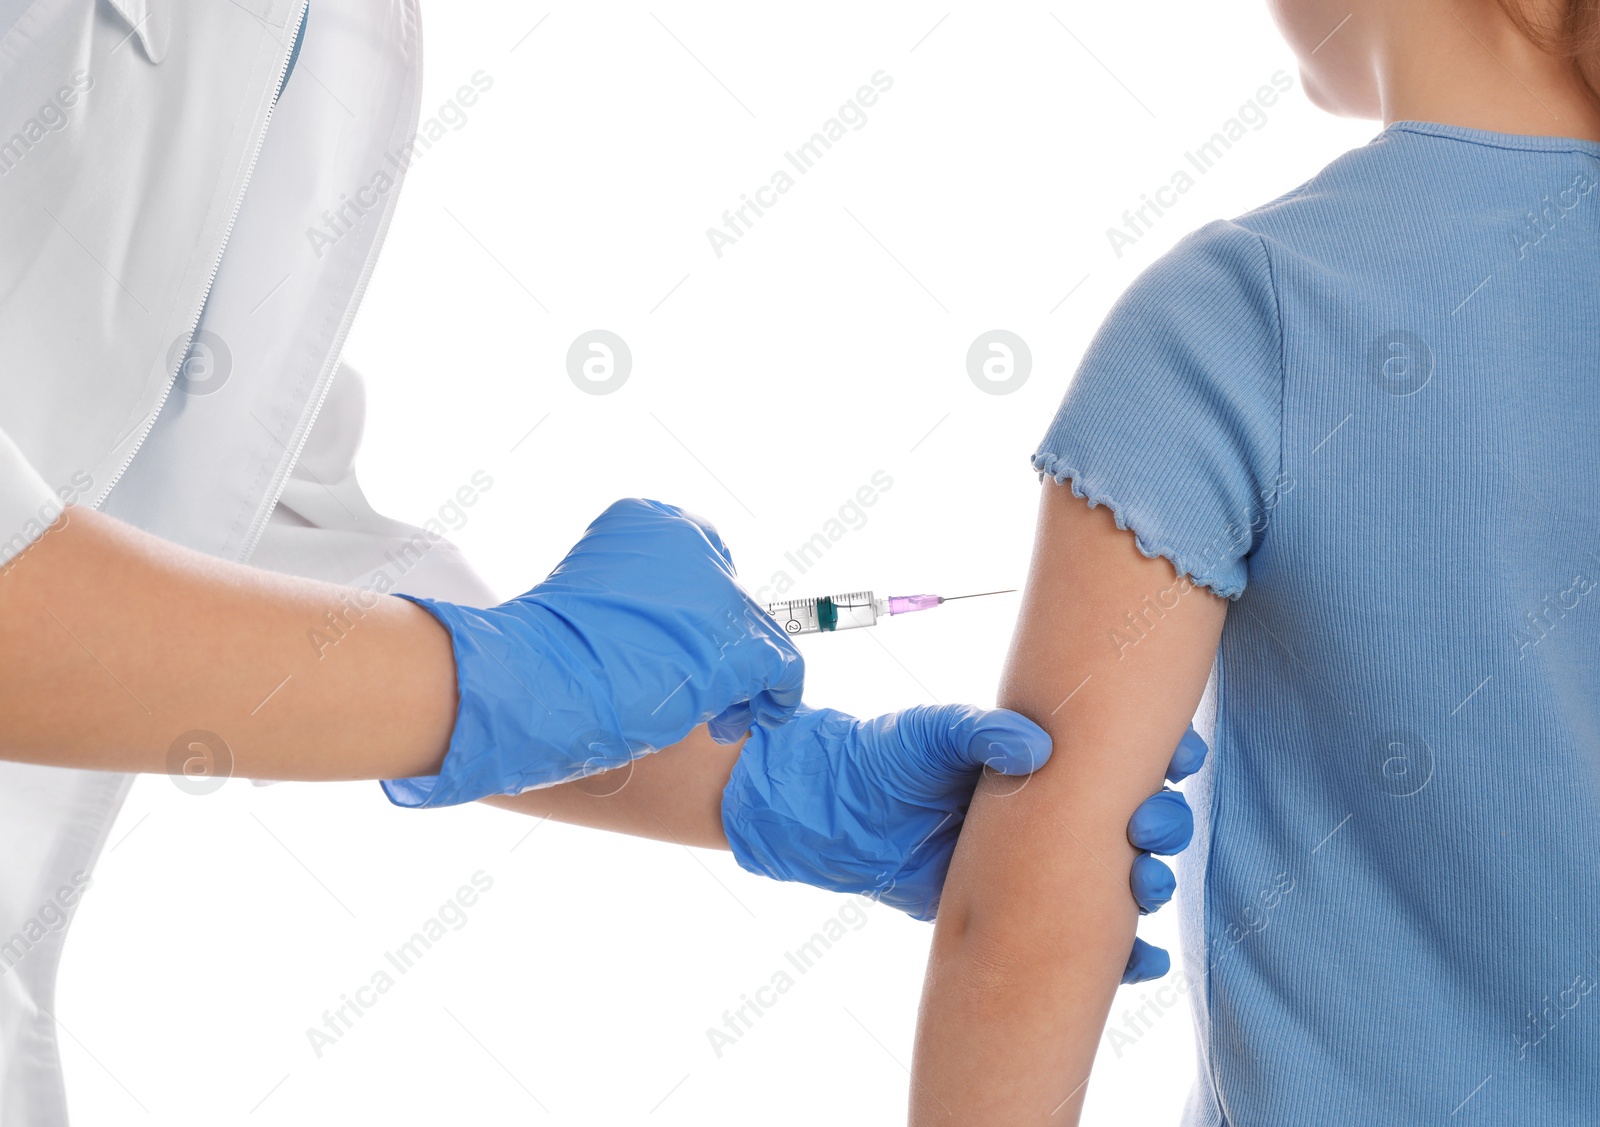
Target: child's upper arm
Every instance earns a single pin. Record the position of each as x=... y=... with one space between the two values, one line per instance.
x=1173 y=422
x=1037 y=919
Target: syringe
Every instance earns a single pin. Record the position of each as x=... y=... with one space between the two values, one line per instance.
x=853 y=609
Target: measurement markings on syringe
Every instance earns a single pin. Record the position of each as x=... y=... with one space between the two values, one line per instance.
x=852 y=609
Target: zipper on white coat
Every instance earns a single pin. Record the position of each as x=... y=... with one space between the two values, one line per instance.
x=216 y=263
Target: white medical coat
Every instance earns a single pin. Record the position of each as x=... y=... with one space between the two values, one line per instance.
x=153 y=191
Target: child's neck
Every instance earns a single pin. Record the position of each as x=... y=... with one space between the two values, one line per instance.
x=1481 y=74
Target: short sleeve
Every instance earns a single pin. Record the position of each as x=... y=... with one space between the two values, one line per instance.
x=28 y=505
x=1173 y=418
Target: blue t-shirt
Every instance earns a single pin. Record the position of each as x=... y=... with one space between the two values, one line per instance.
x=1369 y=413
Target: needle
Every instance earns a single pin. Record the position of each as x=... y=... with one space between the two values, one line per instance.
x=979 y=595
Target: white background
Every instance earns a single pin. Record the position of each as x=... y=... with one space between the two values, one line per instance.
x=767 y=387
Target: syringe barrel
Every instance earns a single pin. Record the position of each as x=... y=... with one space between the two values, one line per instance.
x=829 y=613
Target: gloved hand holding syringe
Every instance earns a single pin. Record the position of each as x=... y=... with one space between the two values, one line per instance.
x=855 y=608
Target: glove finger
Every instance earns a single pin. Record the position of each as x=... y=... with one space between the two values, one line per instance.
x=775 y=703
x=1188 y=758
x=700 y=522
x=1152 y=882
x=1162 y=824
x=962 y=739
x=715 y=537
x=1011 y=743
x=731 y=723
x=1145 y=963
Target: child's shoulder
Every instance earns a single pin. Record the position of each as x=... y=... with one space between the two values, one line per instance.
x=1342 y=218
x=1354 y=196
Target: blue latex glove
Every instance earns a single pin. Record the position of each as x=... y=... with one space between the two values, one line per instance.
x=875 y=806
x=1163 y=823
x=639 y=635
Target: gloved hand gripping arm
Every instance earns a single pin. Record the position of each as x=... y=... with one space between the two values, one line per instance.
x=875 y=806
x=869 y=806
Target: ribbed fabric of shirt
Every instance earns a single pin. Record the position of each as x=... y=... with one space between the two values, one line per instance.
x=1369 y=412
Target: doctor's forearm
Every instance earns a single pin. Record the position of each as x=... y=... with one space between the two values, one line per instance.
x=673 y=795
x=115 y=644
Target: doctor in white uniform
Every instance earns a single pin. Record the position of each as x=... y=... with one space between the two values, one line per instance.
x=125 y=229
x=172 y=393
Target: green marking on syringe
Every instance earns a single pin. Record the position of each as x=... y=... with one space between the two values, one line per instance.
x=861 y=608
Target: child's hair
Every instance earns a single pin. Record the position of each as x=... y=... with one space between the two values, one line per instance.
x=1575 y=34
